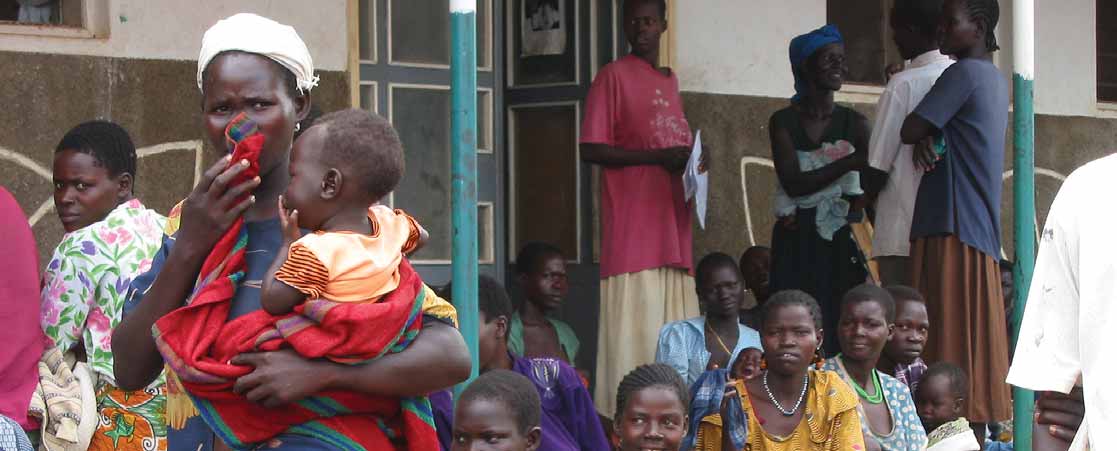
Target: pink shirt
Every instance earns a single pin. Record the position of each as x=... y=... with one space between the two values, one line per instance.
x=645 y=222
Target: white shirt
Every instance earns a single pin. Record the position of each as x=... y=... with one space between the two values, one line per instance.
x=1068 y=328
x=896 y=202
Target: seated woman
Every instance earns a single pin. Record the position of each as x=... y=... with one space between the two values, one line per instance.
x=903 y=354
x=888 y=415
x=21 y=335
x=789 y=406
x=533 y=331
x=756 y=266
x=714 y=340
x=110 y=239
x=569 y=420
x=812 y=246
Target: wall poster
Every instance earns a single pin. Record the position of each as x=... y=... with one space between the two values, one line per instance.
x=544 y=27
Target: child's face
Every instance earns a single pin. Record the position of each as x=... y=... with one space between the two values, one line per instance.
x=306 y=190
x=863 y=331
x=747 y=365
x=909 y=334
x=654 y=418
x=936 y=403
x=490 y=425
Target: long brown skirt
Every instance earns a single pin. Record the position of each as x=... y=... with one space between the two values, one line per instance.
x=966 y=309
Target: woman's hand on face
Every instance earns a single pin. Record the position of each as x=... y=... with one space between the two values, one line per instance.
x=279 y=378
x=213 y=206
x=289 y=221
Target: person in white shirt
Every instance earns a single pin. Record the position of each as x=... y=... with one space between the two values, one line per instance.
x=914 y=28
x=1067 y=331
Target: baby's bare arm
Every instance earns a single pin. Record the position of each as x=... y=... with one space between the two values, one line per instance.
x=277 y=297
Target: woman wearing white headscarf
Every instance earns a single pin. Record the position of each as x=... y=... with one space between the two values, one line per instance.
x=253 y=65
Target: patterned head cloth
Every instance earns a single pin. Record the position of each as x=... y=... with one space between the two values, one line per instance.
x=803 y=46
x=254 y=34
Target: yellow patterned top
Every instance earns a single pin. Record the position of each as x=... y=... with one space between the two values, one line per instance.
x=830 y=422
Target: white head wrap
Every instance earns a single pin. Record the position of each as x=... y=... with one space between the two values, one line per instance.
x=255 y=34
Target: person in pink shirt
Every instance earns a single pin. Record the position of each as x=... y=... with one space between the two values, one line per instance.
x=634 y=128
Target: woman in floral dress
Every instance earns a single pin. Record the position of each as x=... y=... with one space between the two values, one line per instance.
x=110 y=239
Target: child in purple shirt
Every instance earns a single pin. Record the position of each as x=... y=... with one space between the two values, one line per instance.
x=569 y=420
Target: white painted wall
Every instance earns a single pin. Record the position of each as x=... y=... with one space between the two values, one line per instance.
x=1066 y=57
x=740 y=47
x=172 y=29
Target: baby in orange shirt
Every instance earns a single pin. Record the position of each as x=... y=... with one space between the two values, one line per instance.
x=340 y=169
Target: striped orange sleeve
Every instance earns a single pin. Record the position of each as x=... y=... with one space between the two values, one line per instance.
x=303 y=271
x=413 y=232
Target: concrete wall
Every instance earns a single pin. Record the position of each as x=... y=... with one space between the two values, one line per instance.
x=172 y=29
x=742 y=179
x=740 y=47
x=733 y=69
x=142 y=77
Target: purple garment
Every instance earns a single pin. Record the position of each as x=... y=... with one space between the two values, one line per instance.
x=442 y=402
x=569 y=420
x=911 y=374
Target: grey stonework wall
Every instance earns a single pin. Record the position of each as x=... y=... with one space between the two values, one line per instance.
x=736 y=130
x=157 y=101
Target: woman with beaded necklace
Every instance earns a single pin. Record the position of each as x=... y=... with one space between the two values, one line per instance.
x=789 y=406
x=888 y=416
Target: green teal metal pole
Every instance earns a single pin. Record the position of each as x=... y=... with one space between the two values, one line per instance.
x=1023 y=197
x=463 y=170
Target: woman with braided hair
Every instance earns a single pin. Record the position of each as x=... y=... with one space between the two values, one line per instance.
x=652 y=404
x=956 y=226
x=110 y=239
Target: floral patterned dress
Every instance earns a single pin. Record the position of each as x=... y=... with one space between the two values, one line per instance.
x=84 y=287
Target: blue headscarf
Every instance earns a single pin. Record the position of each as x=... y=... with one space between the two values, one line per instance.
x=803 y=46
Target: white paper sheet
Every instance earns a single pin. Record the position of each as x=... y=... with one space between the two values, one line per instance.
x=696 y=185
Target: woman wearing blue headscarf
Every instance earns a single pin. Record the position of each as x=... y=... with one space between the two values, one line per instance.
x=817 y=148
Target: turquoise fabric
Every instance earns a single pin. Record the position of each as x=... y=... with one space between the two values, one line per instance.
x=682 y=345
x=568 y=340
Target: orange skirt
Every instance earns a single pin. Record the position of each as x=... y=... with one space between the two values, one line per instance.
x=966 y=309
x=130 y=420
